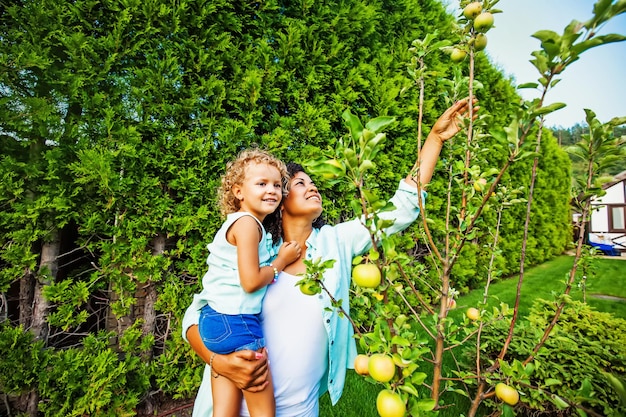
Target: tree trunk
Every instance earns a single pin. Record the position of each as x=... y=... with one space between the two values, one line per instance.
x=4 y=308
x=440 y=340
x=48 y=268
x=149 y=313
x=27 y=286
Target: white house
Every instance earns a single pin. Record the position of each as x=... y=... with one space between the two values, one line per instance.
x=608 y=217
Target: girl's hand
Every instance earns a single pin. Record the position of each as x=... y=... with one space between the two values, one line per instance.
x=289 y=252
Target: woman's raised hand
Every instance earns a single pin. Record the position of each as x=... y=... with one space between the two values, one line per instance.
x=450 y=122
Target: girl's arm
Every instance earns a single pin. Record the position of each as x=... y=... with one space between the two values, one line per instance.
x=246 y=234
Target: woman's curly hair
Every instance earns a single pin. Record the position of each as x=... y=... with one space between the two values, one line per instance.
x=236 y=173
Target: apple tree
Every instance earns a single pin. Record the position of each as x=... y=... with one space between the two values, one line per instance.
x=397 y=321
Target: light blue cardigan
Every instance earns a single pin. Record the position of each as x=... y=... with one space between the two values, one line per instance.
x=342 y=242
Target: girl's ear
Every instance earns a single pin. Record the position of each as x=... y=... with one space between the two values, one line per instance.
x=237 y=192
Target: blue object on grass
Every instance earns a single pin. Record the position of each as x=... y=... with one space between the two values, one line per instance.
x=608 y=250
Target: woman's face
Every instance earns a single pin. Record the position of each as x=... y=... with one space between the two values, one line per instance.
x=303 y=198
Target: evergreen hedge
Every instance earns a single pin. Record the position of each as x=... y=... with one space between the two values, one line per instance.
x=116 y=121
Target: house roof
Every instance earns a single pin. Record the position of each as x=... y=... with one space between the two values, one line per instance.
x=617 y=178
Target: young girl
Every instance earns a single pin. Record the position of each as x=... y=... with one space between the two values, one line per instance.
x=239 y=271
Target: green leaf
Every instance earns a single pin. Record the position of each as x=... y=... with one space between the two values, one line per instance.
x=581 y=47
x=426 y=404
x=548 y=109
x=507 y=411
x=552 y=49
x=378 y=123
x=559 y=402
x=353 y=123
x=586 y=388
x=370 y=197
x=373 y=146
x=547 y=36
x=407 y=387
x=528 y=85
x=366 y=165
x=419 y=377
x=552 y=381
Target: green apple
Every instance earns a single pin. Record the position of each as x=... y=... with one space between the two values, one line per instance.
x=366 y=275
x=381 y=367
x=483 y=22
x=361 y=364
x=480 y=43
x=308 y=288
x=507 y=394
x=390 y=404
x=472 y=10
x=472 y=313
x=457 y=55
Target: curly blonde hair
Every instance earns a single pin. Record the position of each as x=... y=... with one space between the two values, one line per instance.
x=236 y=173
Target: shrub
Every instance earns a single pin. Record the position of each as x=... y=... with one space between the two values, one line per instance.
x=95 y=379
x=569 y=371
x=23 y=356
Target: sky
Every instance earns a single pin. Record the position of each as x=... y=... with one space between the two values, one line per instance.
x=596 y=81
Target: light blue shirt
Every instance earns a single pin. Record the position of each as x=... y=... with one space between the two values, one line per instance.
x=341 y=242
x=221 y=283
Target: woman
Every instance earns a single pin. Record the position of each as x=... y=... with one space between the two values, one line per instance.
x=309 y=345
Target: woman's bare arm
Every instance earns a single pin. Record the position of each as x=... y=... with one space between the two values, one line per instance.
x=246 y=368
x=448 y=125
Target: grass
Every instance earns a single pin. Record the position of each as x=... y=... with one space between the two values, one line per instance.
x=607 y=279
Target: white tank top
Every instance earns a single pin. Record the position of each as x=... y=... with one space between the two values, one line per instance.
x=297 y=344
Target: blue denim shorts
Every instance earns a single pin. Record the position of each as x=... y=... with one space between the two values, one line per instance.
x=227 y=333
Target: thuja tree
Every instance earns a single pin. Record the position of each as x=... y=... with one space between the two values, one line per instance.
x=412 y=341
x=117 y=119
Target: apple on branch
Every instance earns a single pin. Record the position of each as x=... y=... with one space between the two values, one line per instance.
x=472 y=10
x=361 y=364
x=390 y=404
x=507 y=393
x=381 y=367
x=366 y=275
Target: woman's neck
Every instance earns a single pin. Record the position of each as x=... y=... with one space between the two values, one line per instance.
x=298 y=230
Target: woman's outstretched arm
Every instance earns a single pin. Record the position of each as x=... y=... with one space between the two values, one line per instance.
x=448 y=125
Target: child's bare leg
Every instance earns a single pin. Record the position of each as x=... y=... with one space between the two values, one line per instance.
x=262 y=403
x=226 y=398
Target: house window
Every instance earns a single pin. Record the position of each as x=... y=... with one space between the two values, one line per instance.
x=617 y=217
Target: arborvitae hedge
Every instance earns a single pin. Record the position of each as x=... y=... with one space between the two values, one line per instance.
x=116 y=120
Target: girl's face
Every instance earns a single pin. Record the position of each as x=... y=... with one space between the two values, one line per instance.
x=260 y=192
x=303 y=198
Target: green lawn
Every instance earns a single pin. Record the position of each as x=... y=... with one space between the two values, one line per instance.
x=609 y=279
